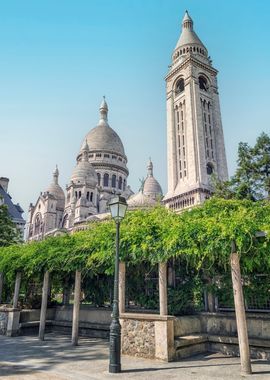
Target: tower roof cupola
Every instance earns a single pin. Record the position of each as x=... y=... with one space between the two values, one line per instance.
x=188 y=41
x=187 y=21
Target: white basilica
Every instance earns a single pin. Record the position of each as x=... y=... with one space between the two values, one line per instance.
x=195 y=151
x=100 y=173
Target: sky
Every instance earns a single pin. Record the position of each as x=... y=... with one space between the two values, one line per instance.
x=58 y=58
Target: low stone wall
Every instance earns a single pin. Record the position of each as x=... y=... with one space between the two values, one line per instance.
x=222 y=324
x=94 y=322
x=33 y=315
x=9 y=321
x=87 y=314
x=218 y=332
x=3 y=322
x=147 y=335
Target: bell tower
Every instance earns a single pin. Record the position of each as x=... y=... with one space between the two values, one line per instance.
x=195 y=142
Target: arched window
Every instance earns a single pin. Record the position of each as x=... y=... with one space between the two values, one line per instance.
x=65 y=221
x=87 y=195
x=91 y=197
x=120 y=183
x=180 y=86
x=113 y=180
x=209 y=168
x=124 y=185
x=203 y=83
x=106 y=180
x=98 y=177
x=37 y=224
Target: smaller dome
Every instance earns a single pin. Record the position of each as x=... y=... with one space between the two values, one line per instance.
x=140 y=200
x=151 y=187
x=56 y=190
x=84 y=171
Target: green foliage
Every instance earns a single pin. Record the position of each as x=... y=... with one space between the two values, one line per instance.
x=201 y=236
x=252 y=178
x=186 y=297
x=204 y=235
x=8 y=232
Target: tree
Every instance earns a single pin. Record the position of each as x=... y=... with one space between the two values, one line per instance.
x=8 y=232
x=262 y=163
x=252 y=177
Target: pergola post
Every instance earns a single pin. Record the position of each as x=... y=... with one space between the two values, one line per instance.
x=163 y=299
x=76 y=309
x=1 y=286
x=240 y=312
x=43 y=311
x=122 y=287
x=17 y=290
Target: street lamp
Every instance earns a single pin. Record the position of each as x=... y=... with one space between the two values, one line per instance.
x=118 y=207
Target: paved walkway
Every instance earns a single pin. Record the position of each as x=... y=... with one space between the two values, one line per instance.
x=55 y=359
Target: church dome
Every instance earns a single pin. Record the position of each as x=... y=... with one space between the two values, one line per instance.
x=103 y=137
x=84 y=171
x=140 y=200
x=56 y=190
x=151 y=187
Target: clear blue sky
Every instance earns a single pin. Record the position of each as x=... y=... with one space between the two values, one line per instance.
x=57 y=59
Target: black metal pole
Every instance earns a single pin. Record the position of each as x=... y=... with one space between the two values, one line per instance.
x=115 y=328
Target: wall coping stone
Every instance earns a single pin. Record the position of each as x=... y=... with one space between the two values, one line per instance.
x=228 y=314
x=147 y=317
x=8 y=309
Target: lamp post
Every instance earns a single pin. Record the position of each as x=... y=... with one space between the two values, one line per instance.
x=118 y=207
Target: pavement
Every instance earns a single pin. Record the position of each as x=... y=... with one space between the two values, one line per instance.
x=25 y=357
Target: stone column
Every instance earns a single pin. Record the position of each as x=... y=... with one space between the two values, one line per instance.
x=240 y=313
x=1 y=286
x=43 y=311
x=122 y=287
x=163 y=300
x=17 y=290
x=76 y=309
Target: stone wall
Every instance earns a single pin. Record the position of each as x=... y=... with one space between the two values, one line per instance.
x=138 y=338
x=3 y=322
x=147 y=335
x=218 y=332
x=222 y=324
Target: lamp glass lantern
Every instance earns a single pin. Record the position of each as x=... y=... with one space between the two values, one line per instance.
x=118 y=207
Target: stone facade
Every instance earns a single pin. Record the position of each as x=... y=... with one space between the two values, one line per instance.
x=147 y=335
x=138 y=338
x=3 y=322
x=195 y=140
